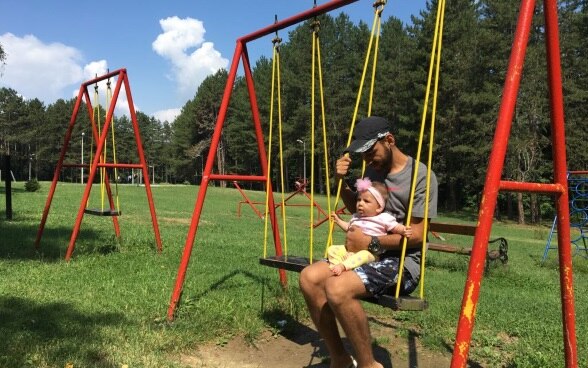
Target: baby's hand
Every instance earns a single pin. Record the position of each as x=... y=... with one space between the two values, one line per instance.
x=334 y=215
x=338 y=269
x=407 y=232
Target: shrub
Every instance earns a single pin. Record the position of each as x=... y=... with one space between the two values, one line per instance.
x=32 y=185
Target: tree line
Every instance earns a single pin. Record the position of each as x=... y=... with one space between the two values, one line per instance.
x=476 y=46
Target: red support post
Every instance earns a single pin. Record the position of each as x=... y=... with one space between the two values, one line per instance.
x=240 y=54
x=179 y=284
x=493 y=175
x=560 y=176
x=142 y=161
x=493 y=184
x=59 y=166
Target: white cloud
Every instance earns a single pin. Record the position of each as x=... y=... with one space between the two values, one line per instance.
x=38 y=70
x=189 y=68
x=45 y=71
x=168 y=115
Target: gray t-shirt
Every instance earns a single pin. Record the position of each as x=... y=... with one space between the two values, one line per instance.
x=398 y=200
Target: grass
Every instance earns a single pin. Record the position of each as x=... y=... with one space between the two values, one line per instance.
x=107 y=307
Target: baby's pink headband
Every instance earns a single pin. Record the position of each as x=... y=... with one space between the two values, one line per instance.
x=366 y=184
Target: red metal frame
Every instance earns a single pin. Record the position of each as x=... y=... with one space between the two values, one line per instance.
x=248 y=201
x=122 y=77
x=300 y=190
x=493 y=177
x=241 y=55
x=493 y=184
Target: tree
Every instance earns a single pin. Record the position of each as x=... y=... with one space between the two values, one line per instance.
x=194 y=126
x=2 y=59
x=574 y=45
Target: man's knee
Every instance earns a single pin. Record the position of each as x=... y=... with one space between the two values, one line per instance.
x=338 y=291
x=310 y=278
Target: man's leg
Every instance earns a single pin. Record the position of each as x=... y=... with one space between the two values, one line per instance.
x=343 y=295
x=312 y=285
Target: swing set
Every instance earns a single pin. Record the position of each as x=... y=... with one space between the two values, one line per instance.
x=300 y=190
x=99 y=159
x=493 y=183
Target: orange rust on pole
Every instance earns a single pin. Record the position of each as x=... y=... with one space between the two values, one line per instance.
x=493 y=184
x=561 y=177
x=491 y=187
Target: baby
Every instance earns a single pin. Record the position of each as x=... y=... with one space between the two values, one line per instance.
x=371 y=219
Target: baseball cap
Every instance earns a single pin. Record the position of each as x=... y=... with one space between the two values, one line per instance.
x=367 y=132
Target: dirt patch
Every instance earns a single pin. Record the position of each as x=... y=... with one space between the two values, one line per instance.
x=300 y=346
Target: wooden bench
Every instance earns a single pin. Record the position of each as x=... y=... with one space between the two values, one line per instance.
x=492 y=255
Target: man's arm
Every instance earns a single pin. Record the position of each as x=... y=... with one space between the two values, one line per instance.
x=356 y=240
x=348 y=195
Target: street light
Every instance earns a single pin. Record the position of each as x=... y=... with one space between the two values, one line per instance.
x=303 y=157
x=31 y=157
x=82 y=167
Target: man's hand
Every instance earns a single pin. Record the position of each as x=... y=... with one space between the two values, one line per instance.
x=356 y=240
x=342 y=167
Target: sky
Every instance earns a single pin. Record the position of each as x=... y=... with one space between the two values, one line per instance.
x=167 y=47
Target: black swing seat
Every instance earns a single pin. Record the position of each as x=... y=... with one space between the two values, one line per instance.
x=297 y=264
x=100 y=212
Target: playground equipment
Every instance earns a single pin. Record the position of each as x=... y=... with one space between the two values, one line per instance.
x=300 y=190
x=493 y=183
x=578 y=192
x=295 y=263
x=99 y=160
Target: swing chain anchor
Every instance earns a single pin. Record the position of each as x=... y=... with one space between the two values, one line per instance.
x=379 y=6
x=315 y=25
x=276 y=39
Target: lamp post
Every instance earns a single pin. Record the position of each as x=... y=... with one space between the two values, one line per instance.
x=82 y=167
x=303 y=157
x=31 y=157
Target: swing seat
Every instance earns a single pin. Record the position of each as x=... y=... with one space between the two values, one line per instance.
x=402 y=303
x=297 y=264
x=100 y=212
x=289 y=263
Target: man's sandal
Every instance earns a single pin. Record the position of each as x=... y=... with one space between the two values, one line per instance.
x=353 y=363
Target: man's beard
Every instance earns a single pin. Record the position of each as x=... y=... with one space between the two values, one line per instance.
x=385 y=163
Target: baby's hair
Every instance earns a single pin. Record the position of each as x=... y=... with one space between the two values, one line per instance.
x=381 y=188
x=366 y=184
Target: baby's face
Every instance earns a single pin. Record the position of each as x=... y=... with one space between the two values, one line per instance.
x=367 y=204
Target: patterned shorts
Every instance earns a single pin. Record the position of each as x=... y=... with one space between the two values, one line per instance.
x=380 y=277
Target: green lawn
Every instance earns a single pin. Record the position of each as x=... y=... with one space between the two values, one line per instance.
x=107 y=306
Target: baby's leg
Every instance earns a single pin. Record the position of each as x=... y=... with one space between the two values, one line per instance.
x=336 y=254
x=357 y=259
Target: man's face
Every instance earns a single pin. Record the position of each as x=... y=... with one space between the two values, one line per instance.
x=379 y=156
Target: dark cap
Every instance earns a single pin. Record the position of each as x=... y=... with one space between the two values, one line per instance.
x=367 y=132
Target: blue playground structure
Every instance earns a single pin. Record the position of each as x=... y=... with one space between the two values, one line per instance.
x=578 y=194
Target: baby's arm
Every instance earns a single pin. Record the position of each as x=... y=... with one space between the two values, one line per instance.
x=405 y=231
x=344 y=225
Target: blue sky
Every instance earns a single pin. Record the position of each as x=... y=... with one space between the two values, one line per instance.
x=167 y=47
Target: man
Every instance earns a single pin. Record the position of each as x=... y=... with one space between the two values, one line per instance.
x=338 y=298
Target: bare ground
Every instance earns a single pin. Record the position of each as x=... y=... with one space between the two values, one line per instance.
x=300 y=346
